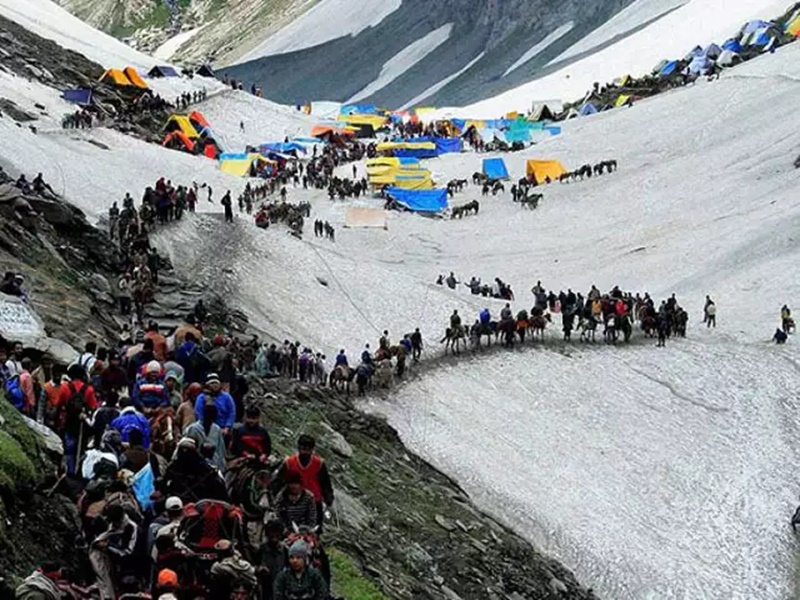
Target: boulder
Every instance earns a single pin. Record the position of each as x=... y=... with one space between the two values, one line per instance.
x=100 y=283
x=336 y=442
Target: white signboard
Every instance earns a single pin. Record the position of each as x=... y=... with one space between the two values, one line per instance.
x=17 y=320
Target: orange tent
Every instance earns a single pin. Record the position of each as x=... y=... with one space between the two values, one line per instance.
x=197 y=117
x=321 y=130
x=187 y=143
x=134 y=77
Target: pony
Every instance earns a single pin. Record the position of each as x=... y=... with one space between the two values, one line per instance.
x=453 y=339
x=340 y=378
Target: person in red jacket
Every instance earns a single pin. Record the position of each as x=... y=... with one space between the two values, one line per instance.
x=312 y=470
x=76 y=400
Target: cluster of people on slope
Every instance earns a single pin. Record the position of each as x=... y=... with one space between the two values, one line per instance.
x=186 y=99
x=498 y=289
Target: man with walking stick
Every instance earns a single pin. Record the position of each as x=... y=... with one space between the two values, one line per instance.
x=76 y=398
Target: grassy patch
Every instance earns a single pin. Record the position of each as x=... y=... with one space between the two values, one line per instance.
x=348 y=580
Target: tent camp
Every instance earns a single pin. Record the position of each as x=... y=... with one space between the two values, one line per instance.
x=162 y=71
x=115 y=77
x=183 y=124
x=79 y=97
x=198 y=120
x=495 y=168
x=205 y=71
x=134 y=77
x=365 y=217
x=540 y=170
x=427 y=201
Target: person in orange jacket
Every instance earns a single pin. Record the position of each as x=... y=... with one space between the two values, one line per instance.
x=312 y=470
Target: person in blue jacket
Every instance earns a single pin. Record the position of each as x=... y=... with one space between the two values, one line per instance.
x=194 y=362
x=150 y=390
x=130 y=419
x=485 y=316
x=226 y=408
x=341 y=359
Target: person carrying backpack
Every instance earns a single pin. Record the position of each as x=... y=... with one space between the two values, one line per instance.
x=75 y=400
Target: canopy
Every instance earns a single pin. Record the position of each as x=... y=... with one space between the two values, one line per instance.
x=115 y=77
x=134 y=77
x=162 y=71
x=183 y=124
x=80 y=97
x=495 y=168
x=419 y=200
x=542 y=169
x=361 y=216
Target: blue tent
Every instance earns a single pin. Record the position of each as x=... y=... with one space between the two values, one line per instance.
x=732 y=45
x=763 y=39
x=518 y=135
x=495 y=168
x=712 y=51
x=587 y=109
x=419 y=200
x=443 y=145
x=755 y=26
x=282 y=147
x=669 y=68
x=82 y=97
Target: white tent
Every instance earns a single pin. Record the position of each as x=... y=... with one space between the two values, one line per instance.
x=362 y=216
x=728 y=58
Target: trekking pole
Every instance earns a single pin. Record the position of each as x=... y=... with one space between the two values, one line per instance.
x=78 y=449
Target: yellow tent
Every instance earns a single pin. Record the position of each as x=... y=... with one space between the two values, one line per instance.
x=384 y=146
x=793 y=28
x=134 y=77
x=182 y=123
x=115 y=77
x=387 y=170
x=415 y=184
x=622 y=100
x=360 y=216
x=376 y=121
x=240 y=167
x=383 y=161
x=542 y=169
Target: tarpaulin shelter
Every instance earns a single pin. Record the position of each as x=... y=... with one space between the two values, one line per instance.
x=733 y=45
x=376 y=121
x=183 y=124
x=495 y=168
x=115 y=77
x=178 y=140
x=669 y=68
x=701 y=65
x=283 y=147
x=80 y=97
x=429 y=201
x=587 y=109
x=365 y=217
x=489 y=134
x=712 y=51
x=793 y=26
x=244 y=164
x=728 y=58
x=198 y=120
x=133 y=76
x=410 y=180
x=358 y=109
x=392 y=161
x=162 y=71
x=443 y=145
x=362 y=131
x=540 y=170
x=696 y=51
x=409 y=149
x=756 y=25
x=321 y=131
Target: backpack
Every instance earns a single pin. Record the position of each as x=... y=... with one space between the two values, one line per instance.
x=14 y=392
x=76 y=403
